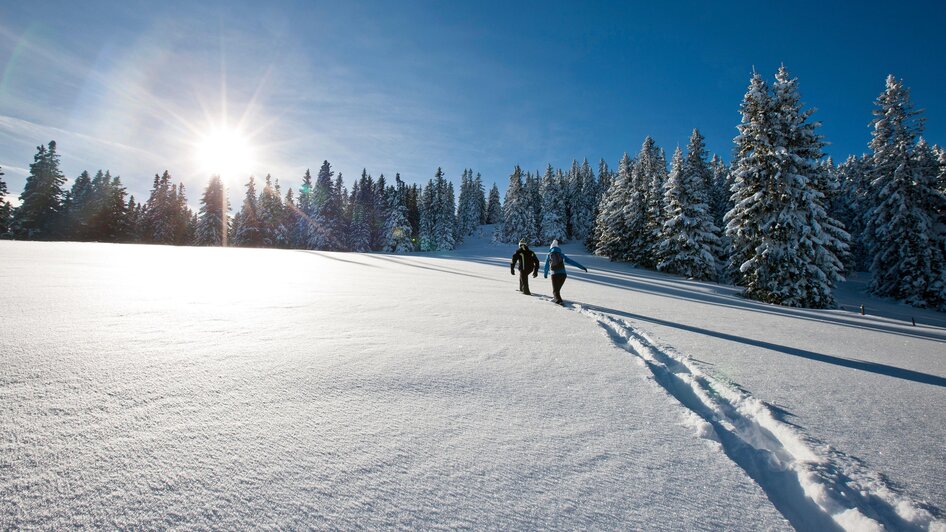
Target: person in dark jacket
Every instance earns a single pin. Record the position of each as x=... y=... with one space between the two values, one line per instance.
x=556 y=260
x=527 y=262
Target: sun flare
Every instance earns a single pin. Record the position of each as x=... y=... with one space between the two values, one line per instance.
x=225 y=152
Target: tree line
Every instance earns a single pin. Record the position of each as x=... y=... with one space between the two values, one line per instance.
x=780 y=220
x=325 y=215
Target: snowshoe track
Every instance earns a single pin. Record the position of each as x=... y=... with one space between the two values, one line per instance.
x=814 y=486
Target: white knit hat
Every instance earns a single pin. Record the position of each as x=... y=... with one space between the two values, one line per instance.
x=555 y=243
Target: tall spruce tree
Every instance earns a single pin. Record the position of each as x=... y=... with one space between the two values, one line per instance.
x=494 y=207
x=109 y=220
x=902 y=227
x=40 y=210
x=642 y=208
x=247 y=227
x=777 y=221
x=160 y=213
x=853 y=200
x=438 y=215
x=518 y=216
x=341 y=224
x=213 y=224
x=601 y=188
x=77 y=209
x=653 y=176
x=468 y=215
x=533 y=197
x=328 y=232
x=583 y=201
x=397 y=229
x=690 y=238
x=553 y=208
x=752 y=168
x=610 y=226
x=303 y=224
x=480 y=191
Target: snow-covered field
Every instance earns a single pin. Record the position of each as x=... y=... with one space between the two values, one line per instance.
x=155 y=387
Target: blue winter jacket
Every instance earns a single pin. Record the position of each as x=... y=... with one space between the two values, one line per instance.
x=561 y=270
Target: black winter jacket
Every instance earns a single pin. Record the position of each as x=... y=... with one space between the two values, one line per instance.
x=526 y=259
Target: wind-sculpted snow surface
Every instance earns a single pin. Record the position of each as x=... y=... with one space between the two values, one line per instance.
x=163 y=387
x=150 y=387
x=812 y=485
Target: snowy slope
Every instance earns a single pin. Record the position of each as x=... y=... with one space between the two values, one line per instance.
x=148 y=386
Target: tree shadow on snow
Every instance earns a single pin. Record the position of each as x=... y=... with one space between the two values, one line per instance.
x=665 y=285
x=872 y=367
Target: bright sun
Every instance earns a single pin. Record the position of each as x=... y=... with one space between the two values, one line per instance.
x=225 y=152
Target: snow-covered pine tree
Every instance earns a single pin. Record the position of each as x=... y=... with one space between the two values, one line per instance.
x=480 y=192
x=6 y=211
x=269 y=213
x=654 y=176
x=689 y=236
x=289 y=218
x=77 y=208
x=447 y=226
x=132 y=227
x=468 y=215
x=425 y=205
x=328 y=207
x=518 y=221
x=39 y=213
x=302 y=214
x=583 y=202
x=718 y=193
x=533 y=188
x=642 y=209
x=378 y=206
x=397 y=229
x=359 y=226
x=111 y=221
x=438 y=215
x=826 y=181
x=783 y=247
x=553 y=208
x=752 y=170
x=494 y=207
x=247 y=227
x=601 y=188
x=213 y=223
x=902 y=227
x=184 y=222
x=158 y=220
x=341 y=204
x=612 y=240
x=98 y=200
x=852 y=202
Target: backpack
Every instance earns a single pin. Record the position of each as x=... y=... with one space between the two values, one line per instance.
x=556 y=261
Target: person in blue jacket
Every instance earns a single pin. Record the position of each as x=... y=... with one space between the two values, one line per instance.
x=556 y=261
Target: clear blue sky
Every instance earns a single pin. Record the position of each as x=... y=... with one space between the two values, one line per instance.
x=409 y=86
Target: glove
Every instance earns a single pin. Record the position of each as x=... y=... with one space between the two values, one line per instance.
x=534 y=275
x=586 y=270
x=512 y=272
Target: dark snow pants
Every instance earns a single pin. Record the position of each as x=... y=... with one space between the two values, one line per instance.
x=524 y=282
x=558 y=279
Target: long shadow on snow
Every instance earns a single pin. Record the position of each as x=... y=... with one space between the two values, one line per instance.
x=872 y=367
x=330 y=257
x=405 y=262
x=641 y=281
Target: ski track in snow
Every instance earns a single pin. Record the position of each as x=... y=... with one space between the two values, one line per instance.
x=814 y=486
